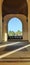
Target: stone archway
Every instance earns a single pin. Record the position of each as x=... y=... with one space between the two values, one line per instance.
x=28 y=1
x=20 y=12
x=25 y=24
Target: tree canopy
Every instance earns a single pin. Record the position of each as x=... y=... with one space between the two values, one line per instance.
x=12 y=33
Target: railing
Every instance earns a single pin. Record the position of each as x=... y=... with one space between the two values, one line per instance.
x=15 y=37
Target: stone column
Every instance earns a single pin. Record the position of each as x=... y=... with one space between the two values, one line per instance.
x=29 y=20
x=0 y=20
x=5 y=31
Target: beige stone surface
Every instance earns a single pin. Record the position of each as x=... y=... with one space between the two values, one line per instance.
x=14 y=63
x=19 y=55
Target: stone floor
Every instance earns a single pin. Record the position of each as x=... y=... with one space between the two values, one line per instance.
x=23 y=54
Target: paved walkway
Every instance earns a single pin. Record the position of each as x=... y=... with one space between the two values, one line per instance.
x=9 y=49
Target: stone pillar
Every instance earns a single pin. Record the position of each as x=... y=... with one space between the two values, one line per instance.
x=29 y=20
x=5 y=31
x=25 y=29
x=0 y=20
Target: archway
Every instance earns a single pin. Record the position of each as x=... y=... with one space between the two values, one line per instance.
x=22 y=18
x=19 y=10
x=15 y=28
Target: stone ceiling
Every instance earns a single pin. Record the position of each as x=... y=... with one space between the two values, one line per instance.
x=14 y=7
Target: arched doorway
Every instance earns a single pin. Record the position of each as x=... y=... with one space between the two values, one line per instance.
x=15 y=28
x=18 y=9
x=24 y=25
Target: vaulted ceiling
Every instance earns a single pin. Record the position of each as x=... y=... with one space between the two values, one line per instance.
x=14 y=7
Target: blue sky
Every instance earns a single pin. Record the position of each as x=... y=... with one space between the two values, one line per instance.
x=14 y=24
